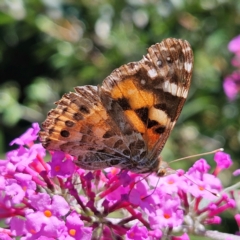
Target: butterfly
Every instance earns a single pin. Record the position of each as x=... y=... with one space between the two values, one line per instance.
x=126 y=121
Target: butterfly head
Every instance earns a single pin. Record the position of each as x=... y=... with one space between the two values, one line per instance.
x=163 y=168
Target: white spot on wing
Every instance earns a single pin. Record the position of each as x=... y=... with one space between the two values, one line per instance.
x=145 y=58
x=188 y=66
x=188 y=49
x=159 y=63
x=174 y=89
x=173 y=124
x=158 y=115
x=143 y=81
x=152 y=73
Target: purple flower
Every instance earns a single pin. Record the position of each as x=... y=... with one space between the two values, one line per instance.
x=28 y=137
x=137 y=197
x=168 y=215
x=44 y=224
x=236 y=172
x=14 y=194
x=18 y=226
x=231 y=85
x=57 y=205
x=234 y=45
x=47 y=215
x=136 y=233
x=58 y=200
x=76 y=227
x=60 y=166
x=223 y=160
x=5 y=236
x=171 y=184
x=183 y=237
x=237 y=218
x=200 y=166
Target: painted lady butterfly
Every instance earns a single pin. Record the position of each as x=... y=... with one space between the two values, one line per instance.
x=126 y=121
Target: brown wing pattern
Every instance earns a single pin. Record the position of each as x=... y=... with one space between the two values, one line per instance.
x=151 y=93
x=126 y=121
x=81 y=127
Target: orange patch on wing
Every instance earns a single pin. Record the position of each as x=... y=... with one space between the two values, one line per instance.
x=100 y=129
x=95 y=122
x=136 y=98
x=152 y=138
x=135 y=120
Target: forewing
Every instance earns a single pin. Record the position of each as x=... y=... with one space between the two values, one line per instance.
x=150 y=93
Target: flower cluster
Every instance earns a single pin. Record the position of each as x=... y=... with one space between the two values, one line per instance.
x=57 y=200
x=231 y=83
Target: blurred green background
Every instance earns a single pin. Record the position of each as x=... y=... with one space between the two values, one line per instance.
x=48 y=47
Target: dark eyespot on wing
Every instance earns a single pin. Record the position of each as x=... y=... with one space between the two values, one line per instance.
x=69 y=123
x=78 y=116
x=160 y=130
x=84 y=110
x=65 y=133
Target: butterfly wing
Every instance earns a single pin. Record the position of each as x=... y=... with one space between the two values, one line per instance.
x=80 y=126
x=127 y=120
x=150 y=93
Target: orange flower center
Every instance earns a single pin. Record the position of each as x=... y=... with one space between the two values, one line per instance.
x=170 y=181
x=166 y=215
x=72 y=232
x=57 y=168
x=47 y=213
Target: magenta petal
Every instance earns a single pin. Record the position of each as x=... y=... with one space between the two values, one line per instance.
x=28 y=137
x=40 y=201
x=223 y=160
x=234 y=44
x=236 y=173
x=60 y=206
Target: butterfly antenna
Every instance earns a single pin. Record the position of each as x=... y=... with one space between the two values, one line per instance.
x=153 y=189
x=198 y=155
x=215 y=194
x=180 y=159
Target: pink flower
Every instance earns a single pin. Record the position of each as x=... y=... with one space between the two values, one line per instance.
x=236 y=172
x=183 y=237
x=168 y=215
x=28 y=137
x=75 y=227
x=234 y=45
x=61 y=166
x=237 y=218
x=136 y=233
x=223 y=161
x=231 y=84
x=58 y=200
